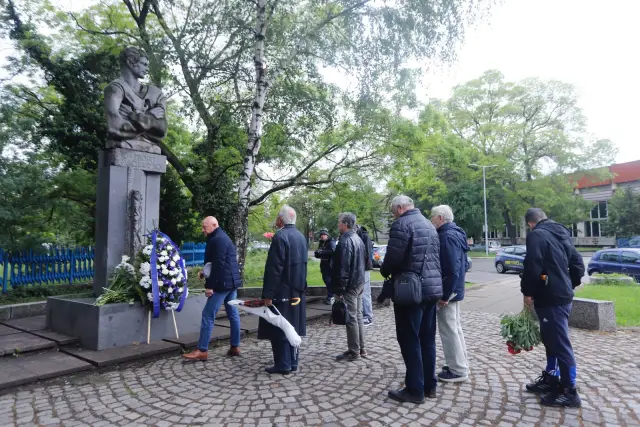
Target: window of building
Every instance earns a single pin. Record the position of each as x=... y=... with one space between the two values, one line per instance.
x=599 y=211
x=506 y=231
x=573 y=228
x=630 y=257
x=493 y=234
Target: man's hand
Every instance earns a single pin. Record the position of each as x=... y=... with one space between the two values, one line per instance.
x=528 y=302
x=268 y=301
x=443 y=303
x=208 y=293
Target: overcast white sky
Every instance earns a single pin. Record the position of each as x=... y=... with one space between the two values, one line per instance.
x=586 y=43
x=590 y=44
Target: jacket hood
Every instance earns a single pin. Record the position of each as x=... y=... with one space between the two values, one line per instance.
x=362 y=229
x=558 y=230
x=456 y=232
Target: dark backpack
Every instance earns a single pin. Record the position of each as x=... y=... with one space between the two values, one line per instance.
x=339 y=313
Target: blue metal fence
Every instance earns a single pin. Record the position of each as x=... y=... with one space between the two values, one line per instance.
x=65 y=266
x=193 y=253
x=58 y=266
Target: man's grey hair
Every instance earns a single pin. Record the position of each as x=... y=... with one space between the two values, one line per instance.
x=288 y=215
x=444 y=211
x=348 y=219
x=534 y=215
x=402 y=201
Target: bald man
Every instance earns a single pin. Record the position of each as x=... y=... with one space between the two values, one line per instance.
x=221 y=286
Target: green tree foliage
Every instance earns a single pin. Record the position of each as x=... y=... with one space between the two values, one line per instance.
x=623 y=219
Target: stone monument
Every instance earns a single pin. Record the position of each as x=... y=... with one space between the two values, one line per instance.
x=128 y=205
x=129 y=170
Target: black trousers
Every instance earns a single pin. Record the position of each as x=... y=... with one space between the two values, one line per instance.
x=416 y=332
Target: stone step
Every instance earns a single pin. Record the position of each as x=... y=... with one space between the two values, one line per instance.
x=29 y=334
x=16 y=371
x=116 y=355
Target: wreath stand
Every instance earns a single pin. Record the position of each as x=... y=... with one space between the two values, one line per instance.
x=175 y=325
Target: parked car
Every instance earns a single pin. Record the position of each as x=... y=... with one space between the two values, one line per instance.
x=378 y=255
x=621 y=260
x=510 y=258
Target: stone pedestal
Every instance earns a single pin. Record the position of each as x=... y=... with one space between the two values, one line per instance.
x=127 y=208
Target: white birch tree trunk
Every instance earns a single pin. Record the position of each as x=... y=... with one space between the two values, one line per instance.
x=255 y=133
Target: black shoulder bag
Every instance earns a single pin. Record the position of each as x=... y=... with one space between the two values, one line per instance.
x=407 y=287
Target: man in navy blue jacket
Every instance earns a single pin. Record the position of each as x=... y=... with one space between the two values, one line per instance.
x=553 y=268
x=221 y=286
x=453 y=262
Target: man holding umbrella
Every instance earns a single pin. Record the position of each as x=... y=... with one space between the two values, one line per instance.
x=285 y=278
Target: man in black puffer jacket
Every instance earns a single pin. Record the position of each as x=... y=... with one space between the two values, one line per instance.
x=553 y=268
x=414 y=247
x=347 y=282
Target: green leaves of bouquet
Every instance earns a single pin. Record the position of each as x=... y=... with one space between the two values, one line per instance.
x=521 y=331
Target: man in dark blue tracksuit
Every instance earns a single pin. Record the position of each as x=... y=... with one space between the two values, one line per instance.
x=552 y=269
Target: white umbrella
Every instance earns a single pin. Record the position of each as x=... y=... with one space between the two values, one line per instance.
x=276 y=319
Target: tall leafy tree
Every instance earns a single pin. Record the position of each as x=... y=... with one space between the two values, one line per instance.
x=623 y=219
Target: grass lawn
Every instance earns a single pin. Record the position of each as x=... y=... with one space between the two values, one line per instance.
x=626 y=299
x=40 y=293
x=588 y=249
x=467 y=284
x=254 y=271
x=480 y=254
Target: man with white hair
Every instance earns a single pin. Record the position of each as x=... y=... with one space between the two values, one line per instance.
x=414 y=249
x=453 y=262
x=285 y=277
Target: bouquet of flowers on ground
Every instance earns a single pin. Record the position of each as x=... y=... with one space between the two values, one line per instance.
x=120 y=287
x=162 y=272
x=521 y=331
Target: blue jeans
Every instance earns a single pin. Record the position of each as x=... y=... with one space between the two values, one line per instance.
x=209 y=316
x=554 y=327
x=285 y=357
x=367 y=307
x=326 y=278
x=416 y=332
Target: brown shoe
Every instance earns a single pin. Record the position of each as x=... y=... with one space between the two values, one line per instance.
x=233 y=351
x=196 y=355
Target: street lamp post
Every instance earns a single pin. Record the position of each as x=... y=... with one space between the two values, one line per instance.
x=484 y=185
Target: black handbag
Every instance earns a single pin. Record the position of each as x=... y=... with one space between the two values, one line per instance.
x=407 y=287
x=339 y=312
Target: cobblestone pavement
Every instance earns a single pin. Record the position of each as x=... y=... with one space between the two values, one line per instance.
x=235 y=392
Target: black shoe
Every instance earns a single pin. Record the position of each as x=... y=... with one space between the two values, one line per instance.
x=445 y=368
x=294 y=368
x=568 y=398
x=545 y=383
x=403 y=395
x=431 y=394
x=366 y=321
x=363 y=353
x=273 y=370
x=348 y=356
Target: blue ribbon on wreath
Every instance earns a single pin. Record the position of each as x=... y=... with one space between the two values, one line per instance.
x=154 y=274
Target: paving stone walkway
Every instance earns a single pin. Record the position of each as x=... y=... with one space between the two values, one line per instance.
x=236 y=391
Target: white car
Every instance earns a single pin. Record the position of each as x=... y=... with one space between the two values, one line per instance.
x=494 y=247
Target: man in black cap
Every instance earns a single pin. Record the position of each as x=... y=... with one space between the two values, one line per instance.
x=324 y=253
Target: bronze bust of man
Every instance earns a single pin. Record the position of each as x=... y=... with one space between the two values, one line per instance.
x=136 y=113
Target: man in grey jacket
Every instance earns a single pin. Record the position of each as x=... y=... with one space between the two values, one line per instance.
x=347 y=282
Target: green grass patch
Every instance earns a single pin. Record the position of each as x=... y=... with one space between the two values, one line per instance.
x=41 y=293
x=626 y=299
x=467 y=284
x=611 y=275
x=588 y=248
x=254 y=272
x=480 y=254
